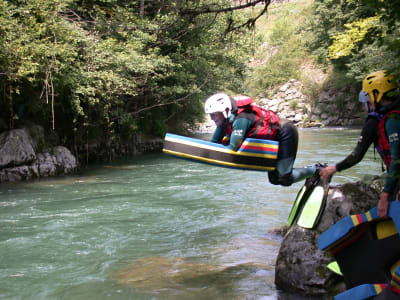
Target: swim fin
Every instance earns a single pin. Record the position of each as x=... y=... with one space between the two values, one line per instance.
x=301 y=198
x=334 y=267
x=314 y=205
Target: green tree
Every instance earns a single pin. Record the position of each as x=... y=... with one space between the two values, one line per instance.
x=102 y=70
x=355 y=36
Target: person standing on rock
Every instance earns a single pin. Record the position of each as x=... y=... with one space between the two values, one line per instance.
x=369 y=135
x=238 y=118
x=382 y=89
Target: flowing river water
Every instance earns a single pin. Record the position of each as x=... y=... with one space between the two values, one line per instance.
x=156 y=227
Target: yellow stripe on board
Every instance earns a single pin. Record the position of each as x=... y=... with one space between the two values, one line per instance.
x=263 y=145
x=394 y=267
x=378 y=288
x=209 y=147
x=219 y=162
x=368 y=215
x=249 y=154
x=355 y=220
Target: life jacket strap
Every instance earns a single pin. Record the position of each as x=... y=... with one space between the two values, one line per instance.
x=260 y=123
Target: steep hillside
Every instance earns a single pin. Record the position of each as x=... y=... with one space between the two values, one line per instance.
x=281 y=59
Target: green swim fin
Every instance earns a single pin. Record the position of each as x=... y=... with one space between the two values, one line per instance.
x=296 y=204
x=334 y=267
x=314 y=206
x=301 y=198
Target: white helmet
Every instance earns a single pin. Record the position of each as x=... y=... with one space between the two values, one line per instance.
x=218 y=103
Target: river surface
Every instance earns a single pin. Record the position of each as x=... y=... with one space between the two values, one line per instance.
x=156 y=227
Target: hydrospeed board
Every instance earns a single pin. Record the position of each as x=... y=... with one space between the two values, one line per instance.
x=253 y=154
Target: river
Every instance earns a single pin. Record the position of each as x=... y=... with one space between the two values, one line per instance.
x=156 y=227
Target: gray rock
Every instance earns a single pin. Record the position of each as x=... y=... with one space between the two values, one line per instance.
x=19 y=160
x=16 y=148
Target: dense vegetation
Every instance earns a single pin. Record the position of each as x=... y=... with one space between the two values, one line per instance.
x=345 y=39
x=356 y=37
x=109 y=69
x=105 y=70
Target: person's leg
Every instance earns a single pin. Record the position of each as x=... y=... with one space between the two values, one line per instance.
x=285 y=174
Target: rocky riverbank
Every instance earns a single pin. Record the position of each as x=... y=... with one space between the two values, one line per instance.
x=333 y=108
x=337 y=108
x=22 y=156
x=25 y=154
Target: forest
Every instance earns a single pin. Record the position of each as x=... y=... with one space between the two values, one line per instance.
x=107 y=70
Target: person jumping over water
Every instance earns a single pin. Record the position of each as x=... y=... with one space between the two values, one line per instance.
x=238 y=118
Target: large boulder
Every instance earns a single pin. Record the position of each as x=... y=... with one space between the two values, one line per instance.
x=16 y=148
x=58 y=161
x=301 y=266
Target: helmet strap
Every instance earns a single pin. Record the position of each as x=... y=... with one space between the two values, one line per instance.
x=226 y=113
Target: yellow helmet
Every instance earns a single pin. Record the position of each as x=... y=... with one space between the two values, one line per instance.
x=378 y=81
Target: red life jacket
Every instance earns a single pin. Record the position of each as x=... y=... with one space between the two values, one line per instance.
x=383 y=140
x=267 y=122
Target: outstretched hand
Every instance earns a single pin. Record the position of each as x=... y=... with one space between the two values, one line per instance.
x=327 y=172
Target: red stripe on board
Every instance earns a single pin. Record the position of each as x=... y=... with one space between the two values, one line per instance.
x=382 y=285
x=396 y=290
x=396 y=279
x=360 y=219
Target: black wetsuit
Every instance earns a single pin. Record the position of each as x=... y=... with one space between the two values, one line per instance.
x=369 y=135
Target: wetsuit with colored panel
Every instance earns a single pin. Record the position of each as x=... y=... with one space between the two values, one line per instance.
x=369 y=135
x=390 y=130
x=243 y=123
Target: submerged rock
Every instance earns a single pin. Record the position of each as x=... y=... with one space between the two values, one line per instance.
x=301 y=266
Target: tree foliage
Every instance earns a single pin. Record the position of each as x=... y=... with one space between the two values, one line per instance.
x=356 y=36
x=108 y=69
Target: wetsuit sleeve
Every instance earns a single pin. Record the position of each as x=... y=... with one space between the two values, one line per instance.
x=240 y=127
x=392 y=128
x=369 y=134
x=218 y=135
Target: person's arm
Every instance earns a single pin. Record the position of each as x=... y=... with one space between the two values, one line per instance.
x=218 y=135
x=367 y=137
x=240 y=127
x=392 y=128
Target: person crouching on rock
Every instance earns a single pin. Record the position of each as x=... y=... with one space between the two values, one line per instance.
x=382 y=89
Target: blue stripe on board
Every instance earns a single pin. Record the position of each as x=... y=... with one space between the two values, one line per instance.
x=363 y=291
